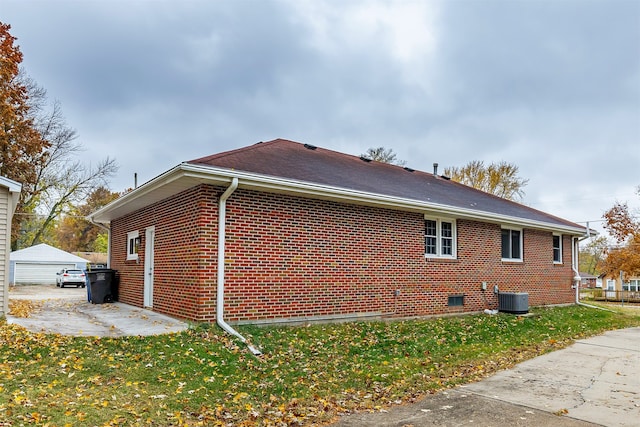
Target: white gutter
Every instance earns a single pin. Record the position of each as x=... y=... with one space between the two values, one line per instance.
x=575 y=252
x=222 y=216
x=259 y=182
x=190 y=175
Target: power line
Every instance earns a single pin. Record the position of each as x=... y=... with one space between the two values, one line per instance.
x=45 y=216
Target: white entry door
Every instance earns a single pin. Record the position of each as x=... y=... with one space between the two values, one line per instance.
x=149 y=243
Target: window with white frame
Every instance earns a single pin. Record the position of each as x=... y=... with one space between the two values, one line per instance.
x=632 y=285
x=133 y=244
x=557 y=249
x=511 y=244
x=439 y=238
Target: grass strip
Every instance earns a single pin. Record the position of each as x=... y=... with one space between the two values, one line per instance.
x=307 y=375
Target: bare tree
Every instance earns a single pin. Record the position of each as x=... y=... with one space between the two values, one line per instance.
x=593 y=254
x=62 y=180
x=384 y=155
x=21 y=146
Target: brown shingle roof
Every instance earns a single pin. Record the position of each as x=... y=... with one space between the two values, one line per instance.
x=302 y=162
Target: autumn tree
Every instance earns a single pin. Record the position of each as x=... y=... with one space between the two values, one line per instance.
x=74 y=233
x=384 y=155
x=500 y=179
x=22 y=147
x=593 y=254
x=624 y=227
x=38 y=150
x=62 y=180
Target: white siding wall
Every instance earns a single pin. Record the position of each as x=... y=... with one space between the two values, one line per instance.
x=5 y=248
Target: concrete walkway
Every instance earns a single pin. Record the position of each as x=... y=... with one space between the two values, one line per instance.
x=67 y=312
x=595 y=381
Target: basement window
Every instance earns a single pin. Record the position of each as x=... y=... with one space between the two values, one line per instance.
x=133 y=244
x=456 y=300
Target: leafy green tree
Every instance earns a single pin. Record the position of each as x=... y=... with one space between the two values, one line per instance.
x=101 y=244
x=500 y=179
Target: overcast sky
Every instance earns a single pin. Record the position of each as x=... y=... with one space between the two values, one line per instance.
x=552 y=86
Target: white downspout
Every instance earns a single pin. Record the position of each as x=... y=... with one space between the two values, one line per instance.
x=575 y=251
x=222 y=216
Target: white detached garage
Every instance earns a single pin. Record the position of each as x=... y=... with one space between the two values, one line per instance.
x=39 y=264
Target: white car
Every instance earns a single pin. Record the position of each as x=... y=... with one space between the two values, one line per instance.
x=71 y=277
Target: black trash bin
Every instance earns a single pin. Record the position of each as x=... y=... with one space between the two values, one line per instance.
x=103 y=285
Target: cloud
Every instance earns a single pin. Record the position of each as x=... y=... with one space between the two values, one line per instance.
x=541 y=55
x=553 y=87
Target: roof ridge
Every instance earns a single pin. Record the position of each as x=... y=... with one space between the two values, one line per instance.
x=301 y=144
x=440 y=187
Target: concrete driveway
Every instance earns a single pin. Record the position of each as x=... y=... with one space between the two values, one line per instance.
x=66 y=311
x=595 y=381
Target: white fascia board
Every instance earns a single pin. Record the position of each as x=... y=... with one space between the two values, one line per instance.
x=283 y=185
x=186 y=175
x=14 y=190
x=147 y=193
x=13 y=186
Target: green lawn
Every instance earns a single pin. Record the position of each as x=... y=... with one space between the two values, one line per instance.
x=307 y=375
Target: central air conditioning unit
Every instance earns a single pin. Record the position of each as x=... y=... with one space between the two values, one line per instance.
x=513 y=302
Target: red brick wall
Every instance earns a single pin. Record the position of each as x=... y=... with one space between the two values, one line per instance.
x=185 y=254
x=290 y=257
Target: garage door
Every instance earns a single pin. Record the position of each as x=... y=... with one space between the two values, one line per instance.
x=34 y=273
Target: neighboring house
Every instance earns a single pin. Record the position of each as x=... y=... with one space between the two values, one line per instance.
x=588 y=280
x=599 y=281
x=284 y=231
x=9 y=196
x=38 y=265
x=631 y=284
x=95 y=258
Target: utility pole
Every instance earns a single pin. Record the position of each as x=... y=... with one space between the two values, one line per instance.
x=621 y=288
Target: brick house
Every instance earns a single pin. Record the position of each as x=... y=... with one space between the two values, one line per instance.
x=589 y=281
x=311 y=234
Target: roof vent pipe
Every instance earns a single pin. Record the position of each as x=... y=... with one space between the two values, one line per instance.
x=435 y=169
